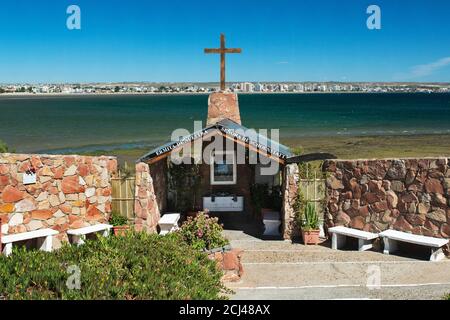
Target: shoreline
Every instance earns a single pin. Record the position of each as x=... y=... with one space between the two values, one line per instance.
x=343 y=147
x=349 y=147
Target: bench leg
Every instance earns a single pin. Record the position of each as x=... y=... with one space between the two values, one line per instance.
x=79 y=240
x=47 y=244
x=7 y=249
x=337 y=241
x=164 y=230
x=389 y=245
x=106 y=233
x=364 y=245
x=437 y=254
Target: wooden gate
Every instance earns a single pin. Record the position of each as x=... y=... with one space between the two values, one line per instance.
x=123 y=192
x=314 y=191
x=312 y=186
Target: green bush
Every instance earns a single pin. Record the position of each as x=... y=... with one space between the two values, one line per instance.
x=263 y=196
x=3 y=147
x=259 y=195
x=135 y=266
x=275 y=200
x=116 y=219
x=202 y=232
x=297 y=150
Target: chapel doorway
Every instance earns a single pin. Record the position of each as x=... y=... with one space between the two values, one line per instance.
x=262 y=195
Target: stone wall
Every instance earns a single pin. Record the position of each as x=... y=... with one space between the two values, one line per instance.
x=145 y=206
x=289 y=191
x=70 y=191
x=410 y=195
x=158 y=172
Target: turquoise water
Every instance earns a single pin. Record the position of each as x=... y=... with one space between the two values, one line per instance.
x=77 y=123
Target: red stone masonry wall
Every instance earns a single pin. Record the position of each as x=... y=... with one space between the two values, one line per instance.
x=70 y=191
x=410 y=195
x=146 y=208
x=290 y=189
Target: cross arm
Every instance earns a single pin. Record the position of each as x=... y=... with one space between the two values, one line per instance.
x=223 y=50
x=213 y=51
x=237 y=50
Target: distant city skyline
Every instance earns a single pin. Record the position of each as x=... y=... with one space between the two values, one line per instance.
x=283 y=41
x=240 y=87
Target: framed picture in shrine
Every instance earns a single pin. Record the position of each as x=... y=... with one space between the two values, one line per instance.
x=223 y=168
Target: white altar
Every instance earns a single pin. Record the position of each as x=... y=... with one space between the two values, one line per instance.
x=223 y=203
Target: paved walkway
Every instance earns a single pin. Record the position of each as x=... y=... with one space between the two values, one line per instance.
x=281 y=270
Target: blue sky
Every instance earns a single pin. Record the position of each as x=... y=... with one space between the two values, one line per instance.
x=283 y=40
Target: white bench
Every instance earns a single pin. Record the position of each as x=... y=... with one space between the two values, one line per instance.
x=168 y=223
x=79 y=235
x=391 y=237
x=340 y=234
x=45 y=234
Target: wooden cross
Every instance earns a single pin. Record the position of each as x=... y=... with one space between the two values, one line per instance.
x=222 y=50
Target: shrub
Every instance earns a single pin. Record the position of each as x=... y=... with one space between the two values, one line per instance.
x=259 y=195
x=135 y=266
x=275 y=198
x=3 y=147
x=298 y=150
x=203 y=232
x=116 y=219
x=263 y=196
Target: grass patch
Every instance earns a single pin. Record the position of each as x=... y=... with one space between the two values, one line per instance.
x=371 y=147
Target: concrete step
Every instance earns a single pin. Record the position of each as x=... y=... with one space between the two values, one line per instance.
x=281 y=251
x=275 y=245
x=427 y=292
x=315 y=256
x=275 y=269
x=344 y=273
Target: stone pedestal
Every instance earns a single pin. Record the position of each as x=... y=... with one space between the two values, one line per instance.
x=223 y=105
